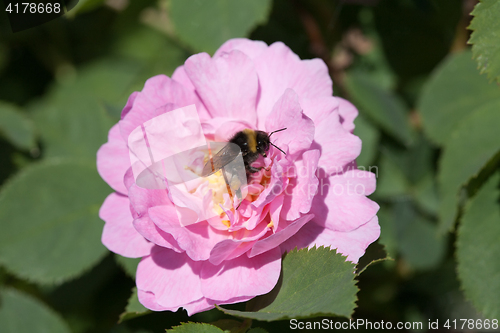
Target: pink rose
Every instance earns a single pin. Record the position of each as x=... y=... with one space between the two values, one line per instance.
x=312 y=196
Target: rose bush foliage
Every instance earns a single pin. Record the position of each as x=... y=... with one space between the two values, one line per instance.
x=313 y=195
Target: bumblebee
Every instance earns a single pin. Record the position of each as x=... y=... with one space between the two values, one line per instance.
x=250 y=143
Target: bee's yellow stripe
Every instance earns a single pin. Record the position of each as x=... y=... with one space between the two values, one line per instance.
x=252 y=143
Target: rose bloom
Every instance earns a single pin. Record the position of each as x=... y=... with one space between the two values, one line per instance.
x=312 y=196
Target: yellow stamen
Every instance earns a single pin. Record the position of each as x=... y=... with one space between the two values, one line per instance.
x=271 y=224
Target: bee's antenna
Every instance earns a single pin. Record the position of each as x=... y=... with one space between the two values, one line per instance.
x=275 y=132
x=278 y=147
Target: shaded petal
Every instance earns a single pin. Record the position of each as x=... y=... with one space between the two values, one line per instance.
x=300 y=192
x=128 y=106
x=351 y=243
x=227 y=84
x=113 y=160
x=142 y=199
x=341 y=203
x=288 y=114
x=348 y=113
x=148 y=299
x=172 y=277
x=151 y=232
x=242 y=276
x=279 y=68
x=236 y=247
x=158 y=92
x=119 y=234
x=197 y=239
x=338 y=146
x=281 y=236
x=251 y=48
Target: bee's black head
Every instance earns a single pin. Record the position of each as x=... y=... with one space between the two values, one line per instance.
x=263 y=142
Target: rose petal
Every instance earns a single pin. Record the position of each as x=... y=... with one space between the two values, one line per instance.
x=226 y=248
x=338 y=146
x=196 y=239
x=151 y=232
x=348 y=113
x=279 y=68
x=227 y=84
x=351 y=243
x=158 y=91
x=320 y=107
x=242 y=276
x=276 y=239
x=341 y=203
x=251 y=48
x=302 y=188
x=288 y=114
x=166 y=274
x=113 y=160
x=119 y=234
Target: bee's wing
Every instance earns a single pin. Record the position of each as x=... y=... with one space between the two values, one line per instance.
x=224 y=156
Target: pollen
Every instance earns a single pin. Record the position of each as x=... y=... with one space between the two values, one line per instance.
x=227 y=223
x=271 y=224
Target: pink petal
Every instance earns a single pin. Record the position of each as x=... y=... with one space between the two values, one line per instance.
x=288 y=114
x=142 y=199
x=180 y=76
x=300 y=192
x=251 y=48
x=172 y=277
x=320 y=107
x=276 y=239
x=151 y=232
x=279 y=68
x=233 y=247
x=197 y=239
x=242 y=276
x=338 y=146
x=119 y=234
x=148 y=299
x=351 y=243
x=130 y=103
x=113 y=160
x=158 y=91
x=227 y=84
x=348 y=113
x=341 y=203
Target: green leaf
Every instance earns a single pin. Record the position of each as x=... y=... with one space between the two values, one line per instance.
x=454 y=91
x=20 y=313
x=51 y=231
x=313 y=283
x=16 y=127
x=369 y=136
x=392 y=182
x=374 y=253
x=195 y=328
x=382 y=106
x=129 y=265
x=478 y=249
x=156 y=53
x=134 y=308
x=206 y=25
x=467 y=150
x=417 y=238
x=485 y=39
x=73 y=121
